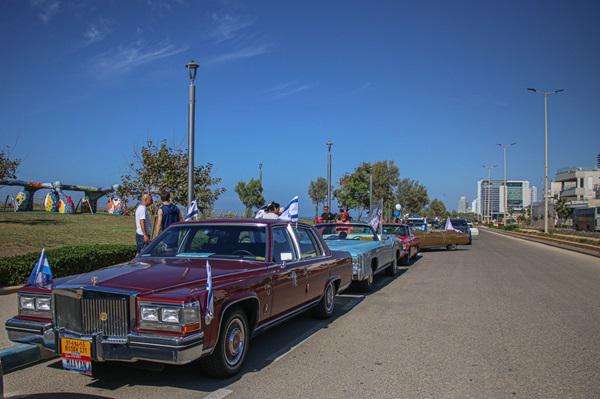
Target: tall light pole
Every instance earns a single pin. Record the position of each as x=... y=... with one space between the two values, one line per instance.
x=192 y=68
x=260 y=165
x=329 y=144
x=504 y=148
x=370 y=194
x=488 y=192
x=545 y=94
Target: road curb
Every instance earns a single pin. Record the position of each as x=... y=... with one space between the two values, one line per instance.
x=541 y=240
x=18 y=356
x=10 y=290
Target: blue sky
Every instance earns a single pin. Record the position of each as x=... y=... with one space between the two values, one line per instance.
x=431 y=85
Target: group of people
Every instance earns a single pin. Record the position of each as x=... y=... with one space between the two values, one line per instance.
x=270 y=211
x=328 y=217
x=168 y=213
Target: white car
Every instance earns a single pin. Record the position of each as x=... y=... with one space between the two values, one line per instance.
x=474 y=230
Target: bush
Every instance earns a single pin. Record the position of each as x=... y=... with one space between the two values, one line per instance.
x=511 y=227
x=65 y=261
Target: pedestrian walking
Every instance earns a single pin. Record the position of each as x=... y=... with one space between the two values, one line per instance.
x=167 y=214
x=143 y=224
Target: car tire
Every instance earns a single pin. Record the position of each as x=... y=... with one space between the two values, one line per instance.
x=451 y=247
x=228 y=357
x=326 y=306
x=366 y=285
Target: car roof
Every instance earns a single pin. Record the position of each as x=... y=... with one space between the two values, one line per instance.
x=241 y=221
x=396 y=224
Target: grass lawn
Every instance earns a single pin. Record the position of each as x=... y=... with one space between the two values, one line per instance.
x=23 y=232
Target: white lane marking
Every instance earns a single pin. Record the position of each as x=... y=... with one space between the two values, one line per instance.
x=218 y=394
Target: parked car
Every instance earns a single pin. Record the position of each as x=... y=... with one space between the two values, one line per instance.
x=155 y=307
x=410 y=242
x=448 y=239
x=371 y=253
x=473 y=230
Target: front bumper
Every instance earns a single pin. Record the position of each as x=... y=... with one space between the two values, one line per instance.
x=134 y=347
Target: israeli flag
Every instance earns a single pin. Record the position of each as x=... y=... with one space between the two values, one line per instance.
x=210 y=304
x=449 y=226
x=375 y=218
x=291 y=211
x=192 y=211
x=41 y=275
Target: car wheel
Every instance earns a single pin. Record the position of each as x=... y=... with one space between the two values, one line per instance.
x=366 y=285
x=417 y=252
x=451 y=247
x=229 y=355
x=324 y=309
x=407 y=260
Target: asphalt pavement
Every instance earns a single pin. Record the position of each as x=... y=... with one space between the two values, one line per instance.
x=503 y=318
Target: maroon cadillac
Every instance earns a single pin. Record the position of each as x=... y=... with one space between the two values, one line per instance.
x=156 y=307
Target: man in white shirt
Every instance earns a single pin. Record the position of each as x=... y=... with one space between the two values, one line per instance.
x=143 y=224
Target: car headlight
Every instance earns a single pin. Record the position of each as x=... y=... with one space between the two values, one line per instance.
x=43 y=304
x=27 y=302
x=170 y=315
x=149 y=314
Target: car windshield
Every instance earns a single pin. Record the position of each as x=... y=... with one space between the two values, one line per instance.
x=395 y=229
x=210 y=241
x=459 y=222
x=347 y=231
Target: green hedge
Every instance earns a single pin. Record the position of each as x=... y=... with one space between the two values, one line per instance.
x=65 y=261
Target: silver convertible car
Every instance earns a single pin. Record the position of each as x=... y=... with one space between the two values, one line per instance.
x=370 y=252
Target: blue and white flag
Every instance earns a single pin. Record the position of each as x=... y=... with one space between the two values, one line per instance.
x=41 y=275
x=375 y=218
x=291 y=211
x=210 y=304
x=192 y=211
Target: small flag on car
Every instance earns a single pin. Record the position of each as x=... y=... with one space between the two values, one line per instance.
x=291 y=211
x=375 y=218
x=192 y=211
x=210 y=304
x=41 y=275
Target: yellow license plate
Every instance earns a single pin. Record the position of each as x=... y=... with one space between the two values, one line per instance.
x=76 y=347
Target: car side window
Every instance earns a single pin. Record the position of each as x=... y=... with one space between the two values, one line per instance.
x=282 y=247
x=308 y=247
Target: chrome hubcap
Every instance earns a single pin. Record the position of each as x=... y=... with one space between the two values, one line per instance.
x=329 y=298
x=235 y=341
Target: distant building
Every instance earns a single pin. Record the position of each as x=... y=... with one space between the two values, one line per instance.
x=598 y=161
x=578 y=185
x=534 y=194
x=462 y=204
x=490 y=196
x=475 y=206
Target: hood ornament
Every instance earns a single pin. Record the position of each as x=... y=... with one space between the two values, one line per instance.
x=94 y=280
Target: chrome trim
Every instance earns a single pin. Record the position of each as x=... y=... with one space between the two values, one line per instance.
x=285 y=316
x=224 y=310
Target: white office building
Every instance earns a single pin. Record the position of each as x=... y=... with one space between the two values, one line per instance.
x=490 y=196
x=462 y=204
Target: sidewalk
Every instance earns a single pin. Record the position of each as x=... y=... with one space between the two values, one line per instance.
x=8 y=308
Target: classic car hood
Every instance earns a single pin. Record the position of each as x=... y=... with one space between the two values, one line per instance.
x=355 y=247
x=148 y=275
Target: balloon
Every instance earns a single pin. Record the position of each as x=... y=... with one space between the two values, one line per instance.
x=398 y=206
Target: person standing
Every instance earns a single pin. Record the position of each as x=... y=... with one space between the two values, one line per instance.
x=143 y=224
x=167 y=214
x=326 y=216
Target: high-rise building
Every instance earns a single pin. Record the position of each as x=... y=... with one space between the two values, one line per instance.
x=475 y=206
x=490 y=196
x=534 y=194
x=598 y=161
x=462 y=204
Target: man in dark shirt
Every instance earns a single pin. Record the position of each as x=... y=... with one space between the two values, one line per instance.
x=167 y=214
x=327 y=216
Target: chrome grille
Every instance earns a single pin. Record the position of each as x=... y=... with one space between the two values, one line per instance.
x=91 y=313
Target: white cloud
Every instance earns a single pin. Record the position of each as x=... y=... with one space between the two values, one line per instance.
x=46 y=9
x=97 y=31
x=237 y=54
x=285 y=90
x=227 y=27
x=124 y=58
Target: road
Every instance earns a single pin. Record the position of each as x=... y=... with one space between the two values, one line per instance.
x=503 y=318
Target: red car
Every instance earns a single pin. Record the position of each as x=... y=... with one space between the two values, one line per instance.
x=410 y=241
x=157 y=306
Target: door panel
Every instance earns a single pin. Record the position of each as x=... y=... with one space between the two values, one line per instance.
x=289 y=275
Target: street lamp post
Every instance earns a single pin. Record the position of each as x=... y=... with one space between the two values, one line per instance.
x=488 y=192
x=260 y=176
x=545 y=94
x=504 y=148
x=192 y=68
x=329 y=144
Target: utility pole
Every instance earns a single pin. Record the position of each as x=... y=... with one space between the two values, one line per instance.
x=192 y=69
x=370 y=194
x=504 y=148
x=260 y=177
x=329 y=189
x=545 y=94
x=488 y=192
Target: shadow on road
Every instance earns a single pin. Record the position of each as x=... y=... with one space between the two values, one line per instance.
x=264 y=350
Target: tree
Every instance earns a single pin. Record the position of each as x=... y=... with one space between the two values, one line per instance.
x=162 y=168
x=562 y=209
x=354 y=187
x=317 y=191
x=412 y=195
x=438 y=208
x=8 y=165
x=250 y=194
